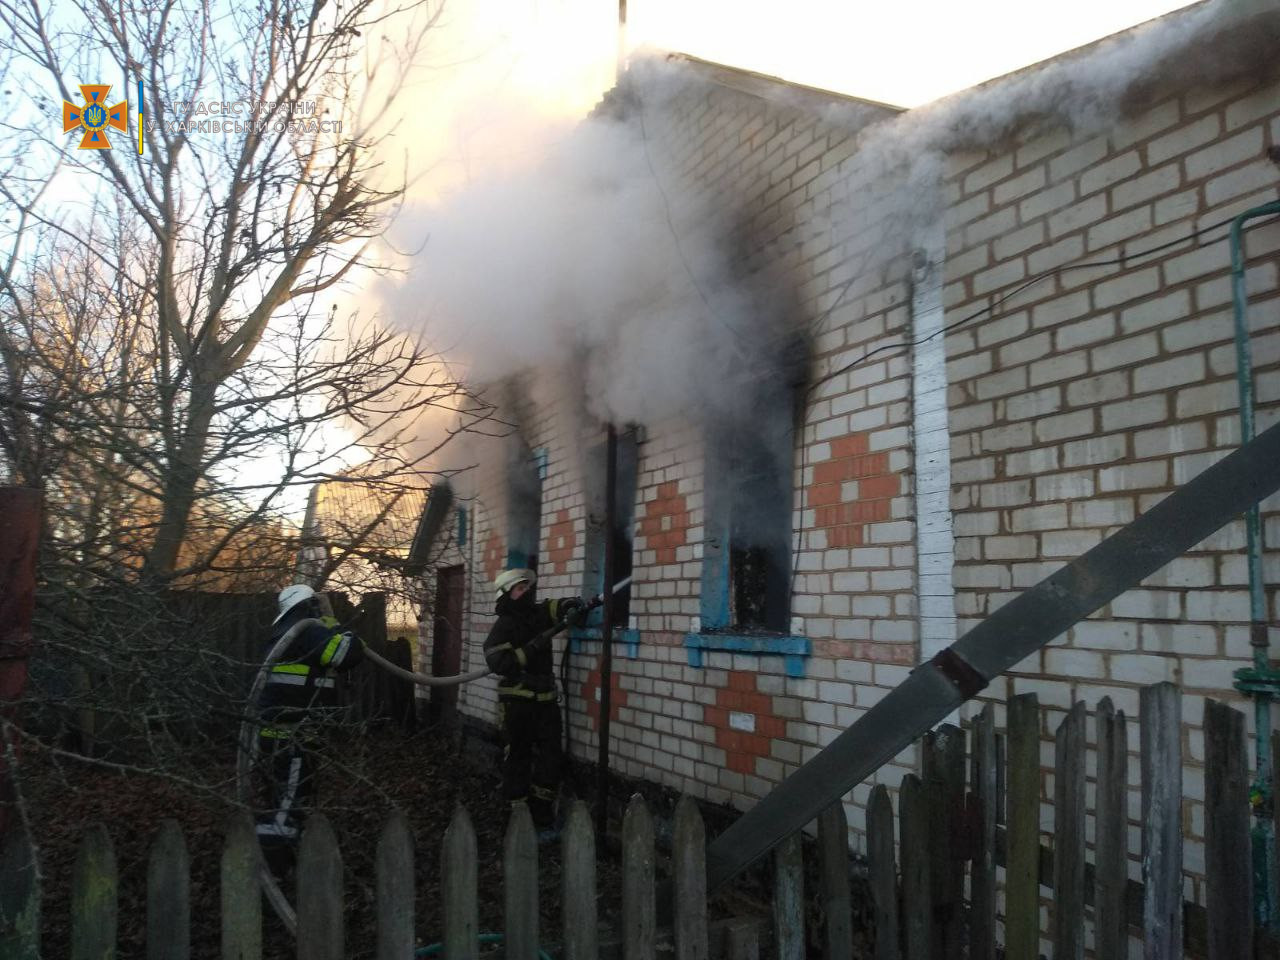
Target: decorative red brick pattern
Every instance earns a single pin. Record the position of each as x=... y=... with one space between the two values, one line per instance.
x=561 y=541
x=665 y=524
x=851 y=489
x=493 y=556
x=590 y=696
x=742 y=747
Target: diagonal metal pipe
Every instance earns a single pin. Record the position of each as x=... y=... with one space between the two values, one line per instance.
x=1015 y=631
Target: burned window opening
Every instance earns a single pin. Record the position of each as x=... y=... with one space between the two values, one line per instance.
x=746 y=582
x=759 y=527
x=624 y=493
x=525 y=473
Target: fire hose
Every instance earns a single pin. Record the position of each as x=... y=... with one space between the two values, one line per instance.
x=247 y=753
x=248 y=741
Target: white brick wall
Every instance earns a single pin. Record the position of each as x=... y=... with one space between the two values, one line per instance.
x=1136 y=393
x=1065 y=410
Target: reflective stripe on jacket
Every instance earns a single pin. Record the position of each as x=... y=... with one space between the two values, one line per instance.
x=525 y=674
x=303 y=677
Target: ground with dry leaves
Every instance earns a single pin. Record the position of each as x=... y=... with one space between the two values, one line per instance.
x=427 y=774
x=423 y=774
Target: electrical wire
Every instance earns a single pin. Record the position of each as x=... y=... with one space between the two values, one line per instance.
x=1124 y=260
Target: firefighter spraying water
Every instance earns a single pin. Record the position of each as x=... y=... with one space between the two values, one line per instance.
x=296 y=685
x=518 y=649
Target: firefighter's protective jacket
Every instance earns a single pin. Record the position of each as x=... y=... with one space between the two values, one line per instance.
x=527 y=673
x=303 y=676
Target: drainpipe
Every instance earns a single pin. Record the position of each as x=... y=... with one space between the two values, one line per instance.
x=606 y=633
x=1260 y=680
x=935 y=533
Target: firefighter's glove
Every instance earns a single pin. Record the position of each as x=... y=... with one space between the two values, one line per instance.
x=573 y=611
x=541 y=642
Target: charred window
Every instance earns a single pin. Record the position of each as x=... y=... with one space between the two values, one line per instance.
x=525 y=472
x=759 y=540
x=747 y=556
x=622 y=532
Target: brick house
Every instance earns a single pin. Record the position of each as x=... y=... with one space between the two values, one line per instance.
x=1018 y=335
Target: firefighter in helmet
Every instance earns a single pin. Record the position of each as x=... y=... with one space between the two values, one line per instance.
x=300 y=687
x=518 y=649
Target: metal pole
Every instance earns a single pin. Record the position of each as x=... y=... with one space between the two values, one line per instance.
x=19 y=535
x=610 y=518
x=606 y=633
x=620 y=64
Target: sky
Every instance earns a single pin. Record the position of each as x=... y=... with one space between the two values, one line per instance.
x=499 y=77
x=510 y=200
x=503 y=79
x=526 y=231
x=904 y=54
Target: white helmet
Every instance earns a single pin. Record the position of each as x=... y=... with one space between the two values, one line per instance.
x=290 y=597
x=509 y=578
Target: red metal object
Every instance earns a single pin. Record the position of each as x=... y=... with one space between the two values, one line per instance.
x=19 y=532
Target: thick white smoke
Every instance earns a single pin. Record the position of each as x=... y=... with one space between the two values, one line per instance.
x=581 y=251
x=573 y=238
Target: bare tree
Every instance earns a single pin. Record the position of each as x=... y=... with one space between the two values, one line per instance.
x=233 y=220
x=168 y=326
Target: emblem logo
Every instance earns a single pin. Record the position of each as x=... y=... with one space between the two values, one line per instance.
x=95 y=116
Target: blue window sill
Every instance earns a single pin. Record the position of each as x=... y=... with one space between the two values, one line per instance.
x=793 y=650
x=620 y=635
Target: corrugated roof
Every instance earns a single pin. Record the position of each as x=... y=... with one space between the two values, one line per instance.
x=381 y=516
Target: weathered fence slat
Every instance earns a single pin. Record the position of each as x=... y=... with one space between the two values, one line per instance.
x=1068 y=836
x=788 y=899
x=917 y=903
x=837 y=906
x=93 y=897
x=689 y=864
x=1228 y=853
x=394 y=877
x=639 y=921
x=935 y=816
x=19 y=896
x=1022 y=874
x=520 y=886
x=982 y=911
x=581 y=934
x=1161 y=721
x=882 y=873
x=944 y=750
x=321 y=930
x=1110 y=818
x=241 y=901
x=742 y=939
x=169 y=895
x=459 y=881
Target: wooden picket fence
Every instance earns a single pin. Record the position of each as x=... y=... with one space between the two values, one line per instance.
x=975 y=810
x=320 y=905
x=932 y=881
